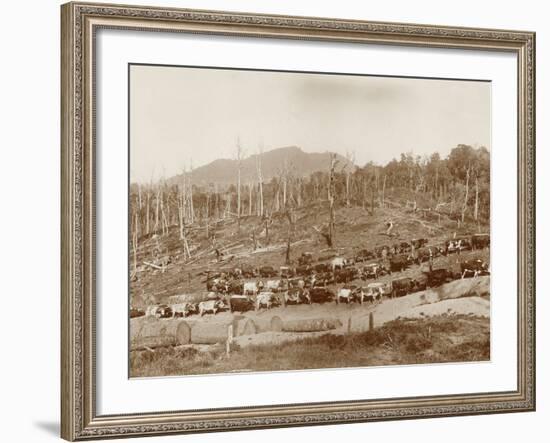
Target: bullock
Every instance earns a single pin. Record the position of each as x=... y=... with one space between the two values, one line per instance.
x=345 y=275
x=423 y=255
x=163 y=311
x=364 y=255
x=218 y=284
x=322 y=267
x=296 y=296
x=372 y=270
x=481 y=241
x=419 y=242
x=267 y=299
x=212 y=306
x=379 y=251
x=268 y=271
x=240 y=303
x=275 y=285
x=321 y=295
x=473 y=268
x=338 y=262
x=399 y=262
x=235 y=287
x=401 y=286
x=136 y=312
x=349 y=262
x=305 y=259
x=303 y=270
x=297 y=283
x=420 y=283
x=458 y=244
x=437 y=277
x=248 y=271
x=183 y=309
x=344 y=294
x=350 y=294
x=151 y=311
x=286 y=272
x=374 y=291
x=252 y=287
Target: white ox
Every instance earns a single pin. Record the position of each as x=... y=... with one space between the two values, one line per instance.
x=265 y=299
x=182 y=309
x=338 y=262
x=344 y=294
x=212 y=306
x=274 y=285
x=375 y=291
x=252 y=287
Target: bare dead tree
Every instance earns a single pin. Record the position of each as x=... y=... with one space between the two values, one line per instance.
x=466 y=194
x=476 y=207
x=350 y=161
x=135 y=241
x=249 y=198
x=260 y=180
x=190 y=194
x=331 y=192
x=290 y=216
x=383 y=201
x=239 y=156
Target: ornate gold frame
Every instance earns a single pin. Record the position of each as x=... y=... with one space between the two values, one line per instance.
x=79 y=21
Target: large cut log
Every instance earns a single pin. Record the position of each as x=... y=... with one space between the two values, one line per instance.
x=311 y=325
x=268 y=324
x=150 y=332
x=245 y=326
x=212 y=332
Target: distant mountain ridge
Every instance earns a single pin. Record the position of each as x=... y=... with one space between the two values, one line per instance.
x=300 y=163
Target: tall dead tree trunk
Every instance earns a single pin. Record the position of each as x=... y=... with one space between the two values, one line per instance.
x=350 y=157
x=289 y=216
x=190 y=196
x=239 y=165
x=135 y=241
x=260 y=182
x=249 y=198
x=157 y=208
x=383 y=201
x=330 y=237
x=147 y=208
x=208 y=214
x=476 y=207
x=465 y=205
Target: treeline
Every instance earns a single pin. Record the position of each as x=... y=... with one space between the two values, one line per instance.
x=458 y=185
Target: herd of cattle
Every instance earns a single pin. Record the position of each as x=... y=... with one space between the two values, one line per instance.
x=246 y=288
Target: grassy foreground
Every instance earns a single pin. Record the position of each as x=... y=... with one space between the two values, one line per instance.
x=441 y=339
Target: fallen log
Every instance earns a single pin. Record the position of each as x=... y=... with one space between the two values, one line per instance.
x=160 y=268
x=212 y=332
x=268 y=324
x=150 y=332
x=311 y=325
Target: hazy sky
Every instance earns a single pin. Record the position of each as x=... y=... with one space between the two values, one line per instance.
x=181 y=115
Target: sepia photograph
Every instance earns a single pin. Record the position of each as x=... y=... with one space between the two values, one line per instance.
x=285 y=220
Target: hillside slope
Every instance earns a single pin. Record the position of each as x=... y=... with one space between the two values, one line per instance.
x=223 y=171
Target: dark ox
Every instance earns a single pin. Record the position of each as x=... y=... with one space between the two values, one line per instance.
x=399 y=263
x=473 y=268
x=402 y=286
x=481 y=241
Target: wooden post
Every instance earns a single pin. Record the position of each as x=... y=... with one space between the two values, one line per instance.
x=349 y=324
x=371 y=321
x=229 y=339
